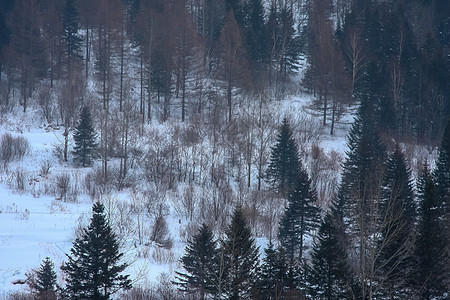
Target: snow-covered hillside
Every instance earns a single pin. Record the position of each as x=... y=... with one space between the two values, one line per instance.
x=36 y=222
x=44 y=201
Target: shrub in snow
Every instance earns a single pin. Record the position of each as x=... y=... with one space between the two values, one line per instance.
x=160 y=233
x=13 y=148
x=45 y=168
x=62 y=186
x=18 y=180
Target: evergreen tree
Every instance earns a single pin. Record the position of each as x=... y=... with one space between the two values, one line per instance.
x=363 y=170
x=201 y=262
x=290 y=42
x=442 y=175
x=45 y=281
x=284 y=164
x=241 y=258
x=93 y=270
x=329 y=276
x=431 y=275
x=273 y=274
x=397 y=226
x=300 y=218
x=285 y=45
x=210 y=19
x=359 y=193
x=71 y=20
x=255 y=31
x=85 y=139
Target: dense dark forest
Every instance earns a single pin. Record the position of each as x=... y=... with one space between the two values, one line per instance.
x=394 y=52
x=182 y=99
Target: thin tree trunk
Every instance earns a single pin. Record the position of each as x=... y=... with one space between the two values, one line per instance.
x=229 y=100
x=333 y=113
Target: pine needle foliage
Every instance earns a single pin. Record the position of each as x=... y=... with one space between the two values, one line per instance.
x=241 y=257
x=93 y=269
x=45 y=281
x=70 y=20
x=85 y=139
x=398 y=217
x=201 y=264
x=273 y=275
x=301 y=217
x=329 y=275
x=431 y=275
x=442 y=177
x=284 y=164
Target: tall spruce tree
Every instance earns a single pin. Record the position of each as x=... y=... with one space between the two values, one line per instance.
x=431 y=274
x=241 y=258
x=329 y=276
x=398 y=214
x=71 y=20
x=85 y=139
x=300 y=218
x=45 y=281
x=359 y=193
x=93 y=269
x=202 y=264
x=273 y=274
x=284 y=164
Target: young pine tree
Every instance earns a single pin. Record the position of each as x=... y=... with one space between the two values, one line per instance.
x=273 y=274
x=284 y=164
x=431 y=274
x=241 y=258
x=45 y=281
x=300 y=218
x=201 y=262
x=85 y=139
x=93 y=270
x=329 y=276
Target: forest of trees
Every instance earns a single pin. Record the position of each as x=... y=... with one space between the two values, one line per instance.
x=106 y=72
x=168 y=51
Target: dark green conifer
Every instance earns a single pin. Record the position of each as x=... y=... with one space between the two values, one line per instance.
x=85 y=139
x=357 y=203
x=285 y=45
x=284 y=165
x=431 y=274
x=398 y=214
x=93 y=269
x=255 y=32
x=363 y=171
x=45 y=281
x=300 y=218
x=329 y=276
x=273 y=274
x=241 y=258
x=71 y=26
x=442 y=174
x=202 y=265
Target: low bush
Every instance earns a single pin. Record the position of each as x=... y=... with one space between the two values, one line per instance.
x=13 y=148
